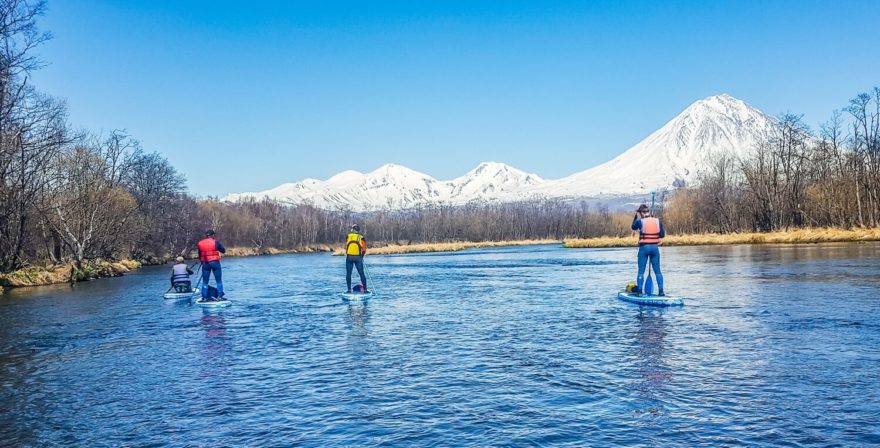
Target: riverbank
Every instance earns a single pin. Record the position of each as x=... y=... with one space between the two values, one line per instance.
x=66 y=273
x=42 y=275
x=254 y=251
x=799 y=236
x=396 y=249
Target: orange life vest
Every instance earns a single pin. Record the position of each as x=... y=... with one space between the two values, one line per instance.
x=208 y=250
x=650 y=233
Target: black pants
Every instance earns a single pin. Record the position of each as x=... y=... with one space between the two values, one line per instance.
x=358 y=262
x=182 y=286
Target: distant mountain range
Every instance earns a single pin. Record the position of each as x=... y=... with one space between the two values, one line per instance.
x=668 y=158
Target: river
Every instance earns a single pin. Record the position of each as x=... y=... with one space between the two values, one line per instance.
x=775 y=346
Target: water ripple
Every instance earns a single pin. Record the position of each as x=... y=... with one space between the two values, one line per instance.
x=523 y=346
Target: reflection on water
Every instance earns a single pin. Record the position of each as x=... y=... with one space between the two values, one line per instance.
x=358 y=318
x=213 y=324
x=776 y=345
x=649 y=349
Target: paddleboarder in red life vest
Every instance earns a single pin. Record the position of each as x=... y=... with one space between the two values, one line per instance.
x=650 y=232
x=355 y=249
x=209 y=254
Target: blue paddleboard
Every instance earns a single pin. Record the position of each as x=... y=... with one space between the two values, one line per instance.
x=650 y=300
x=174 y=295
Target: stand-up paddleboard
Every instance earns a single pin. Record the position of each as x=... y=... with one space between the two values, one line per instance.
x=650 y=300
x=356 y=296
x=217 y=303
x=174 y=295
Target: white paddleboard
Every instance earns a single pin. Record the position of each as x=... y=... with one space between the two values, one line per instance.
x=174 y=295
x=356 y=296
x=213 y=303
x=650 y=300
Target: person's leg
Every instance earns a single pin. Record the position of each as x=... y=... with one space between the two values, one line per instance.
x=206 y=276
x=348 y=265
x=218 y=276
x=655 y=266
x=643 y=262
x=360 y=267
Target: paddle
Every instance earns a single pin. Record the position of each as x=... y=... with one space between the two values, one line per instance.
x=370 y=277
x=198 y=283
x=649 y=282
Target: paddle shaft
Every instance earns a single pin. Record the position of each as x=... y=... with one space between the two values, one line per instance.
x=199 y=283
x=370 y=277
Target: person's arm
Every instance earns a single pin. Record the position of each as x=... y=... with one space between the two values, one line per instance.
x=662 y=230
x=189 y=271
x=637 y=223
x=220 y=247
x=363 y=246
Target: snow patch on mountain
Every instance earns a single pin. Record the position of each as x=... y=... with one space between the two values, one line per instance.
x=490 y=181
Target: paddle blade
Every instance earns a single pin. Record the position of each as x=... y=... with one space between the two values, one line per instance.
x=649 y=285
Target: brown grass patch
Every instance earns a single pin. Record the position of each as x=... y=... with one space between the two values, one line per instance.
x=795 y=236
x=394 y=249
x=253 y=251
x=64 y=273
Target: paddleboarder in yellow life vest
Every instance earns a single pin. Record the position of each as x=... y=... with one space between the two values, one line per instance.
x=650 y=232
x=355 y=249
x=209 y=254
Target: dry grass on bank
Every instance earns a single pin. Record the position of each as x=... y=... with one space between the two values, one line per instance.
x=395 y=249
x=65 y=273
x=799 y=236
x=253 y=251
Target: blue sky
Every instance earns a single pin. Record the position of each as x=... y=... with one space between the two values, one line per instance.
x=242 y=96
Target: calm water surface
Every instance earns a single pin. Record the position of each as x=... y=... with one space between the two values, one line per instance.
x=777 y=345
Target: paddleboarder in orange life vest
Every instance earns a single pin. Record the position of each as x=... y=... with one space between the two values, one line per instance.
x=209 y=254
x=650 y=232
x=355 y=249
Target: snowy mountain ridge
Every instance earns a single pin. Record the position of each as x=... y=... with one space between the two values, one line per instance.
x=394 y=186
x=670 y=157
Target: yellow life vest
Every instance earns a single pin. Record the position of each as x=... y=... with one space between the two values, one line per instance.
x=353 y=244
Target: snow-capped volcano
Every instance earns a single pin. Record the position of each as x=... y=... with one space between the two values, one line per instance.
x=669 y=157
x=673 y=154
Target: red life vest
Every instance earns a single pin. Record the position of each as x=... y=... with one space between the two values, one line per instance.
x=208 y=250
x=650 y=233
